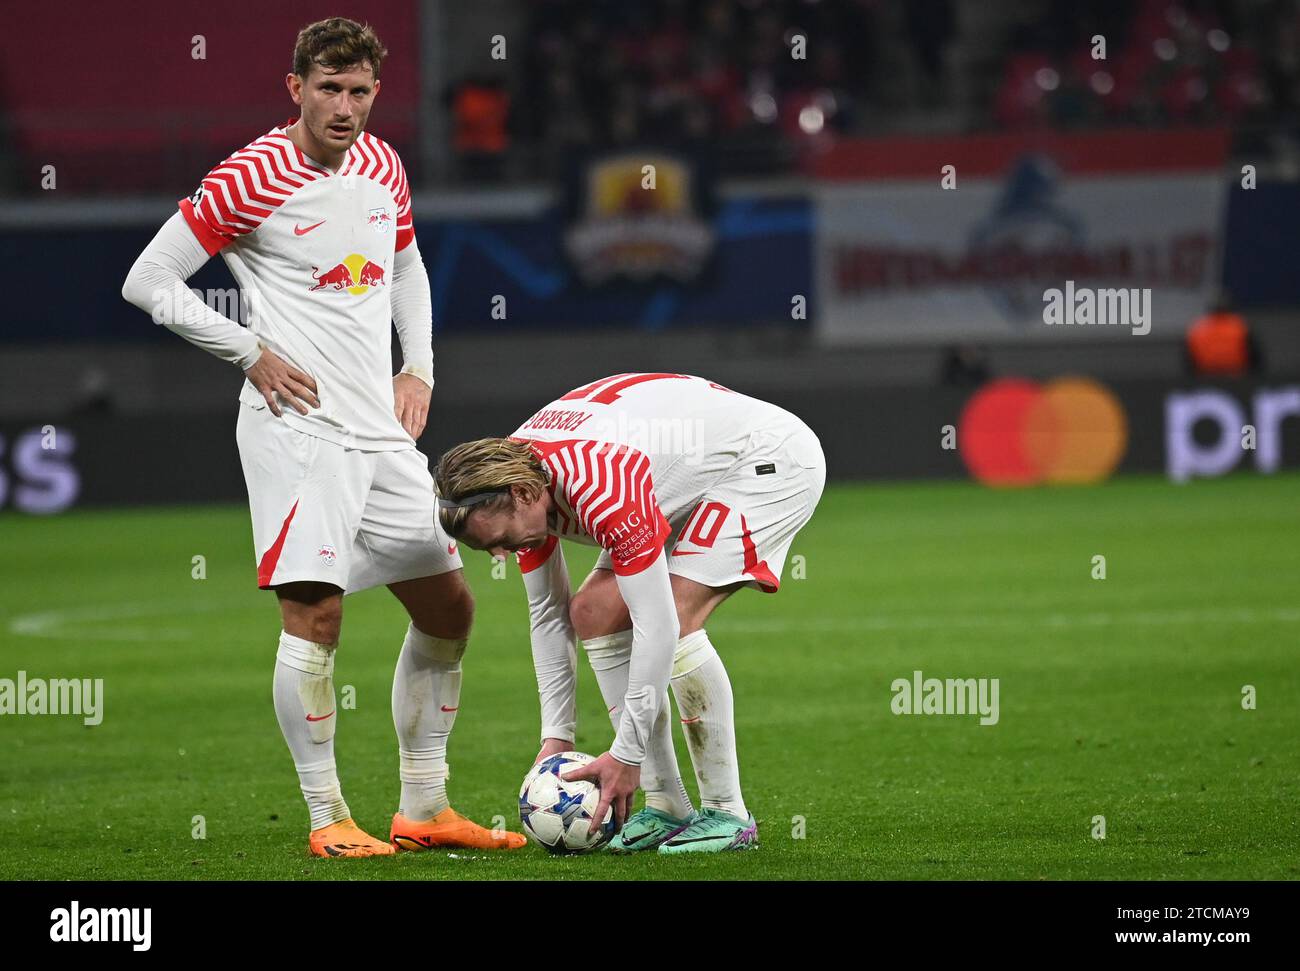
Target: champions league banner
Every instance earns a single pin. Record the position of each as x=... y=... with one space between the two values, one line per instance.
x=1018 y=237
x=640 y=217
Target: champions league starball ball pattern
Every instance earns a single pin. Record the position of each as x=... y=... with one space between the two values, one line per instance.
x=556 y=814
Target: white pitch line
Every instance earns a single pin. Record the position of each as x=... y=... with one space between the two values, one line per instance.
x=104 y=619
x=55 y=623
x=1058 y=620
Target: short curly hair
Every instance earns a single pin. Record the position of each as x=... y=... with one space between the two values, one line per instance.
x=335 y=44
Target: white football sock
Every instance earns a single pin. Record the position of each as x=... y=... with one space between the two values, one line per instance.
x=304 y=705
x=707 y=710
x=610 y=656
x=426 y=695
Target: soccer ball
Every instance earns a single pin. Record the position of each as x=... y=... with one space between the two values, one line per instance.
x=555 y=813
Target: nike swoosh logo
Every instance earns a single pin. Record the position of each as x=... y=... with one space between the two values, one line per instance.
x=304 y=232
x=445 y=708
x=320 y=718
x=691 y=721
x=451 y=549
x=687 y=552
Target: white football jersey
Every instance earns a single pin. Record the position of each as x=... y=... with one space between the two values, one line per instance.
x=312 y=252
x=631 y=452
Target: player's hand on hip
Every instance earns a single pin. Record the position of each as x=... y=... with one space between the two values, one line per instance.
x=272 y=375
x=411 y=403
x=552 y=746
x=618 y=783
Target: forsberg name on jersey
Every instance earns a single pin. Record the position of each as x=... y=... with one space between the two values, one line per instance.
x=651 y=436
x=554 y=418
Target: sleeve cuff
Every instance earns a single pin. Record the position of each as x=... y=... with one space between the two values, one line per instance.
x=250 y=356
x=421 y=372
x=623 y=757
x=558 y=731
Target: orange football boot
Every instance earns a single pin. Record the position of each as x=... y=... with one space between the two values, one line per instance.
x=450 y=830
x=346 y=839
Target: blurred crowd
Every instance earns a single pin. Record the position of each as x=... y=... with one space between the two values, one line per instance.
x=1164 y=63
x=671 y=70
x=763 y=81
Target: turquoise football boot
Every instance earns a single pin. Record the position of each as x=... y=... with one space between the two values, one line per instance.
x=645 y=830
x=713 y=831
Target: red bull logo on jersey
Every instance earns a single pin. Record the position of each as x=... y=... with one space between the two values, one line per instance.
x=372 y=274
x=379 y=220
x=356 y=274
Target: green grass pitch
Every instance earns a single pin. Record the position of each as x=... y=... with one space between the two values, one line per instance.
x=1119 y=697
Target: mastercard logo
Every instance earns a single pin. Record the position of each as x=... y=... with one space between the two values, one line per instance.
x=1015 y=432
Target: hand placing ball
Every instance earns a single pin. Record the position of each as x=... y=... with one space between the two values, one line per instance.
x=558 y=814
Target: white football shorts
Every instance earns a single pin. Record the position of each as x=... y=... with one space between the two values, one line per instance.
x=740 y=529
x=330 y=514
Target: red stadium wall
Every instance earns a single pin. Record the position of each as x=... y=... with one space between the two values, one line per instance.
x=126 y=106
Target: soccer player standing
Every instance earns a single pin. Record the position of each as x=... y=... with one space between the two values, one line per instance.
x=314 y=221
x=692 y=491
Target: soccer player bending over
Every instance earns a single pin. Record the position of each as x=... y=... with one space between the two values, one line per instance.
x=692 y=491
x=314 y=221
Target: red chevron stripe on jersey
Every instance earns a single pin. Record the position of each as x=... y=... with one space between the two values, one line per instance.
x=608 y=390
x=378 y=161
x=603 y=493
x=239 y=194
